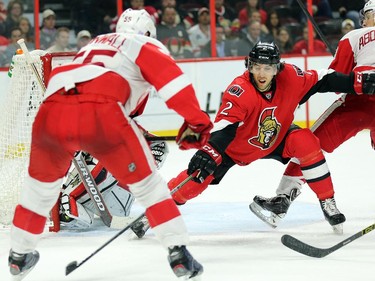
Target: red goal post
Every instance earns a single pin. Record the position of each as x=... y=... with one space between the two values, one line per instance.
x=18 y=108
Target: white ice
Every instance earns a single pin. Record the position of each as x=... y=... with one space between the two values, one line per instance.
x=226 y=237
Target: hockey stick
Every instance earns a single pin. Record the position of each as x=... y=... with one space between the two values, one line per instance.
x=74 y=264
x=95 y=195
x=308 y=250
x=307 y=14
x=160 y=138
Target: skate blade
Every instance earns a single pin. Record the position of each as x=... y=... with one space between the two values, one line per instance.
x=338 y=228
x=268 y=217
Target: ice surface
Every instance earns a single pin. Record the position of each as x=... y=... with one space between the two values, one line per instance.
x=226 y=237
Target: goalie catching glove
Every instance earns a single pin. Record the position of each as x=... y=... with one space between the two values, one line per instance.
x=364 y=83
x=205 y=161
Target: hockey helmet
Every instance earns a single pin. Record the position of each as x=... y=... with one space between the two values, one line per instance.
x=369 y=6
x=264 y=53
x=136 y=22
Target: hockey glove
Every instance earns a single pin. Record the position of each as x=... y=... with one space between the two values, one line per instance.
x=206 y=161
x=364 y=83
x=193 y=136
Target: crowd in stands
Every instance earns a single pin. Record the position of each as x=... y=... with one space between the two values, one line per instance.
x=182 y=26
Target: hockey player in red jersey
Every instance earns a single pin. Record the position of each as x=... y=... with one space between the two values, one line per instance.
x=88 y=106
x=255 y=121
x=344 y=119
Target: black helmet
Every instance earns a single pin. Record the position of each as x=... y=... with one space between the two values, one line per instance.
x=265 y=53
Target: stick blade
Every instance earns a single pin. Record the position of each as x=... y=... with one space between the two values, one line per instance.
x=303 y=248
x=71 y=267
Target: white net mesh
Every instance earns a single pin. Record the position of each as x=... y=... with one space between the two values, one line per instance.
x=18 y=112
x=18 y=109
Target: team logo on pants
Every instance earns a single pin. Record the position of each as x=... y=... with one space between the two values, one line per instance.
x=268 y=130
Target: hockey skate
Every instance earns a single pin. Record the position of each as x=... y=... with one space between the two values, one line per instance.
x=183 y=264
x=21 y=264
x=272 y=210
x=140 y=228
x=332 y=214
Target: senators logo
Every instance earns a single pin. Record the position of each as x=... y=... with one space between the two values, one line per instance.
x=235 y=90
x=269 y=128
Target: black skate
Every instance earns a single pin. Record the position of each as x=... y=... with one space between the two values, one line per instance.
x=272 y=210
x=332 y=214
x=183 y=264
x=140 y=228
x=21 y=264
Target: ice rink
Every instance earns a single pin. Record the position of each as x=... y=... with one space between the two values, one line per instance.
x=226 y=237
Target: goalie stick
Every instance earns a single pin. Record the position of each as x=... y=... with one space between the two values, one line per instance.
x=74 y=264
x=311 y=251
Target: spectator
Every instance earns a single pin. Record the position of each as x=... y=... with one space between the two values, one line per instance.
x=61 y=41
x=15 y=35
x=321 y=8
x=346 y=26
x=244 y=13
x=3 y=16
x=224 y=15
x=273 y=24
x=83 y=38
x=173 y=36
x=251 y=36
x=27 y=30
x=14 y=13
x=140 y=4
x=222 y=48
x=301 y=46
x=255 y=16
x=348 y=9
x=182 y=17
x=48 y=30
x=4 y=42
x=233 y=38
x=200 y=34
x=283 y=40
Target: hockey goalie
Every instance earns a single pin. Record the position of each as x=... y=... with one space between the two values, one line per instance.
x=76 y=209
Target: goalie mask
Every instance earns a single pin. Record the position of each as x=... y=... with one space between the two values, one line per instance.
x=136 y=22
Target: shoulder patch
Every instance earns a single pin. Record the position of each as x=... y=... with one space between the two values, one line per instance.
x=235 y=90
x=298 y=70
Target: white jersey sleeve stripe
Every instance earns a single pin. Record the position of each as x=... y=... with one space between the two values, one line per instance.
x=173 y=87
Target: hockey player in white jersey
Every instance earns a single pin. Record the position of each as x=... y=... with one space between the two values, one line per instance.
x=344 y=119
x=89 y=106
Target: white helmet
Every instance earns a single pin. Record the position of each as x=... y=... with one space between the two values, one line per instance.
x=369 y=6
x=136 y=22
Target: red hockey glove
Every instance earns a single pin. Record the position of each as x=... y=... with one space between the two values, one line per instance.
x=364 y=83
x=193 y=136
x=206 y=161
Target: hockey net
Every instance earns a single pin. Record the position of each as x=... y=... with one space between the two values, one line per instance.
x=18 y=108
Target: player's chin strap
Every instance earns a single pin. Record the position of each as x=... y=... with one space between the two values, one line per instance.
x=74 y=264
